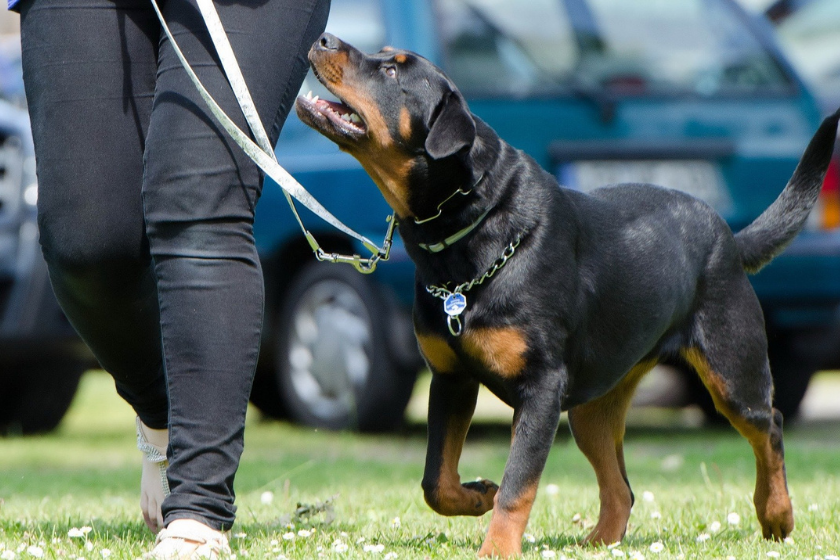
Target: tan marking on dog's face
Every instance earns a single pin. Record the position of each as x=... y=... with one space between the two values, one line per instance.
x=400 y=58
x=439 y=355
x=502 y=350
x=405 y=123
x=385 y=160
x=390 y=170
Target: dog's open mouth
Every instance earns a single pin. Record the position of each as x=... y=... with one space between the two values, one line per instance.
x=336 y=115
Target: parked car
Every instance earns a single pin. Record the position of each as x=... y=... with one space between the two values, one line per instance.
x=809 y=33
x=690 y=94
x=41 y=359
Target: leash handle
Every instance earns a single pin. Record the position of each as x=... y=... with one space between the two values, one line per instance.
x=263 y=154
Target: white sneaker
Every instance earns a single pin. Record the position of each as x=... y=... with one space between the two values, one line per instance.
x=154 y=486
x=188 y=539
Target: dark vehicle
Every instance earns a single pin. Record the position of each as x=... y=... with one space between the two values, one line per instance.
x=690 y=94
x=41 y=359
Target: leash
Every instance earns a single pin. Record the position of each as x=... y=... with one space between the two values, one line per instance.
x=454 y=300
x=262 y=153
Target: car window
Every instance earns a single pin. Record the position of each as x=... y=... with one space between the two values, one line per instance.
x=529 y=47
x=811 y=39
x=358 y=22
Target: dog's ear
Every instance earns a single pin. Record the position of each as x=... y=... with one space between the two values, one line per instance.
x=451 y=127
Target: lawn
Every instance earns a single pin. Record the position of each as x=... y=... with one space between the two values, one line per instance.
x=693 y=492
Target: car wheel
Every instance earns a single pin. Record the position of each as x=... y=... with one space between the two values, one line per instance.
x=35 y=396
x=334 y=360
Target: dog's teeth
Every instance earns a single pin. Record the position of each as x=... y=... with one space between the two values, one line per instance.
x=345 y=117
x=355 y=118
x=316 y=98
x=309 y=94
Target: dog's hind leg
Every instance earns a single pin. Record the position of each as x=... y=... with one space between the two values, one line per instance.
x=452 y=401
x=598 y=428
x=730 y=355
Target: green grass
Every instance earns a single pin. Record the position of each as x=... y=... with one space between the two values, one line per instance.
x=86 y=474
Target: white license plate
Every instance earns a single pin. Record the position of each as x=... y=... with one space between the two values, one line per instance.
x=699 y=178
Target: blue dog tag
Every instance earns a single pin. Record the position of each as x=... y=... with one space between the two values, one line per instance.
x=454 y=304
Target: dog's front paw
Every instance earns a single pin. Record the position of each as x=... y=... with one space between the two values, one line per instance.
x=481 y=492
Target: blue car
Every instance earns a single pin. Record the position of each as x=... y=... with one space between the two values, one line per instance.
x=689 y=94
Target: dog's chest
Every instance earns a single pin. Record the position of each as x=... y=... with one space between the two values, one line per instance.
x=497 y=351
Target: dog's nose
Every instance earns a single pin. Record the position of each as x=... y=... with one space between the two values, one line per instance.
x=328 y=42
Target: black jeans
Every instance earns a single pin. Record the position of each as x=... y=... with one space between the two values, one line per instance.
x=146 y=209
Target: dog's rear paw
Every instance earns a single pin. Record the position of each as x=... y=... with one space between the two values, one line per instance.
x=481 y=492
x=779 y=527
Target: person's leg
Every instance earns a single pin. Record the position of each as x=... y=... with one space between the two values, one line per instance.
x=89 y=72
x=199 y=195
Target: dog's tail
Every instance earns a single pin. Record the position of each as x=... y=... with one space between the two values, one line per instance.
x=776 y=227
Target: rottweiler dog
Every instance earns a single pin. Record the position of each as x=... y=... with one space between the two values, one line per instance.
x=554 y=299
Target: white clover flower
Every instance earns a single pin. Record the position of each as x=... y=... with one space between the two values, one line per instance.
x=396 y=523
x=773 y=554
x=672 y=463
x=8 y=555
x=530 y=538
x=390 y=556
x=576 y=518
x=789 y=540
x=267 y=497
x=339 y=546
x=657 y=547
x=548 y=554
x=618 y=552
x=703 y=537
x=813 y=507
x=637 y=556
x=374 y=548
x=105 y=552
x=76 y=533
x=88 y=546
x=656 y=515
x=35 y=551
x=288 y=536
x=360 y=540
x=733 y=518
x=282 y=557
x=274 y=542
x=648 y=496
x=715 y=526
x=831 y=557
x=240 y=535
x=552 y=489
x=305 y=534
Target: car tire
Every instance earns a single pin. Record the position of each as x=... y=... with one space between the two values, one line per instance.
x=335 y=361
x=36 y=396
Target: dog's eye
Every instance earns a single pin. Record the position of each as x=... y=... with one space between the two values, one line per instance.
x=390 y=71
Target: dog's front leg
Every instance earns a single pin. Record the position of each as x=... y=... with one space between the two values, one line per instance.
x=535 y=424
x=451 y=405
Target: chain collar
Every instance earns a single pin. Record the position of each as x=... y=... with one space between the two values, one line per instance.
x=460 y=191
x=454 y=300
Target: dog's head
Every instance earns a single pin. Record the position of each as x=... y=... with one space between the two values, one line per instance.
x=398 y=114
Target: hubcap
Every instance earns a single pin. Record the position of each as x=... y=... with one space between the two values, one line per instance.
x=329 y=349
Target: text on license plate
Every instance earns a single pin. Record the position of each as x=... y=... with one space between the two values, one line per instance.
x=699 y=178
